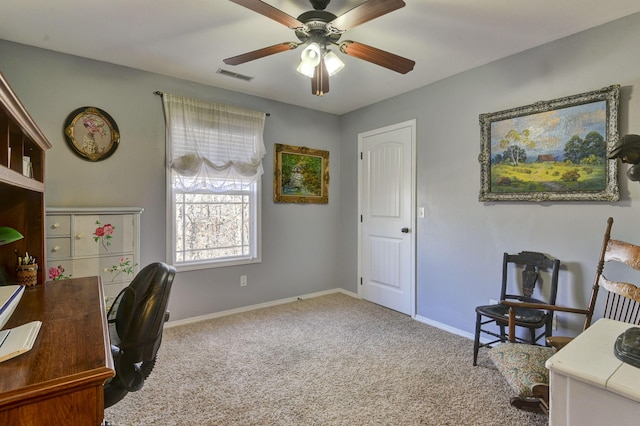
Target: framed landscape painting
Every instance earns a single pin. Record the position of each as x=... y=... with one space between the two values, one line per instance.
x=552 y=150
x=301 y=175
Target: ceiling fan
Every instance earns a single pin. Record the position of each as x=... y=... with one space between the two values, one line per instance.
x=319 y=29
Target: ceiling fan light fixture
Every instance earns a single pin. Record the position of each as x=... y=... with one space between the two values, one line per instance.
x=306 y=69
x=311 y=55
x=332 y=63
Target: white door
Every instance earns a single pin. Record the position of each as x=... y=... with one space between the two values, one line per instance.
x=386 y=251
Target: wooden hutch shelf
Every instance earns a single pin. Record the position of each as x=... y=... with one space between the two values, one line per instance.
x=22 y=164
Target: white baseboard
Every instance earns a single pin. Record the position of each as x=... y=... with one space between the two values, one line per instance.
x=452 y=330
x=444 y=327
x=258 y=306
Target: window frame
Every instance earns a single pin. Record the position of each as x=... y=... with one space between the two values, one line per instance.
x=256 y=211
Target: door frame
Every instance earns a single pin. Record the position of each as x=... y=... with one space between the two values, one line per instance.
x=413 y=220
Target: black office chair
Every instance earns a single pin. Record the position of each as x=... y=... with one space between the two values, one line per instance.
x=135 y=321
x=533 y=319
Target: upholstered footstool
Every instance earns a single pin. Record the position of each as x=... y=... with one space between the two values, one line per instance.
x=523 y=366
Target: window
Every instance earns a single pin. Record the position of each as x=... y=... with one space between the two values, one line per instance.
x=214 y=158
x=215 y=226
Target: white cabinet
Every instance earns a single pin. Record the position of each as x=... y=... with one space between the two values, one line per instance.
x=589 y=385
x=88 y=241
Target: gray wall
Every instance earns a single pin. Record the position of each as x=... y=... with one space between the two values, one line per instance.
x=461 y=240
x=314 y=248
x=299 y=241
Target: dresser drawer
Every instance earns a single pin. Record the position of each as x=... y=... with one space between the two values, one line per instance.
x=91 y=237
x=115 y=271
x=58 y=225
x=58 y=248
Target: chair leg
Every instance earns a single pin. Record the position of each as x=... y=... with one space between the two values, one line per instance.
x=548 y=330
x=528 y=404
x=532 y=333
x=539 y=403
x=476 y=340
x=542 y=392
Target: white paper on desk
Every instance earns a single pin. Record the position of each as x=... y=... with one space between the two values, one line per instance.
x=9 y=297
x=19 y=340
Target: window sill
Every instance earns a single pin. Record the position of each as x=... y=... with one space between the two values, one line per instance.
x=183 y=267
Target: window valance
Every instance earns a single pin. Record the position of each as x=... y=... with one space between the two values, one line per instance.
x=212 y=145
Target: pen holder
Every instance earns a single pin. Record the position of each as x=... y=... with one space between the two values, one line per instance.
x=27 y=274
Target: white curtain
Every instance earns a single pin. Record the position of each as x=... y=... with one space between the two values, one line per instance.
x=212 y=146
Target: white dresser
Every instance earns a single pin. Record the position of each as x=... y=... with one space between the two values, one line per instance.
x=90 y=241
x=589 y=385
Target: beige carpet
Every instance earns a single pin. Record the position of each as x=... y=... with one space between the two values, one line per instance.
x=330 y=360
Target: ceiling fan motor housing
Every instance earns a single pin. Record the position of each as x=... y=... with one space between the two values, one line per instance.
x=316 y=23
x=319 y=4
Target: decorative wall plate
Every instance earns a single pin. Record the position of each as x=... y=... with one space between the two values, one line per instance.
x=91 y=133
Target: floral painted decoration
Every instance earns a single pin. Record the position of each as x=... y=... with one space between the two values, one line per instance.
x=124 y=267
x=95 y=127
x=103 y=234
x=56 y=274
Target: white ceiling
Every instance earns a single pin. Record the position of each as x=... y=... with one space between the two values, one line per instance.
x=189 y=39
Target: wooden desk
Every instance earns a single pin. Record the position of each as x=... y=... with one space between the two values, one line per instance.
x=59 y=381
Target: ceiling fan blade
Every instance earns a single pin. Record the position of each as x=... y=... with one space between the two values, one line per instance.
x=261 y=53
x=365 y=12
x=379 y=57
x=270 y=12
x=320 y=80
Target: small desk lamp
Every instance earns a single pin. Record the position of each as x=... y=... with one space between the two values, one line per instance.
x=7 y=236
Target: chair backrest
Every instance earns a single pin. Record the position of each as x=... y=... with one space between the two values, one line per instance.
x=531 y=263
x=140 y=312
x=622 y=301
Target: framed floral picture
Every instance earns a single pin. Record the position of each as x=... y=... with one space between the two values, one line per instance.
x=554 y=150
x=91 y=133
x=301 y=175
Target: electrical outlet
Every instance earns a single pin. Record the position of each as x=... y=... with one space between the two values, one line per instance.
x=493 y=302
x=243 y=280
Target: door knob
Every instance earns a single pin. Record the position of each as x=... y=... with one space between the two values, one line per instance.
x=405 y=230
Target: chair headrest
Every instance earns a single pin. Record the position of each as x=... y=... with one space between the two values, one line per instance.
x=141 y=311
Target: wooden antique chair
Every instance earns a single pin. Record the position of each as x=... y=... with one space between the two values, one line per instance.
x=530 y=263
x=524 y=365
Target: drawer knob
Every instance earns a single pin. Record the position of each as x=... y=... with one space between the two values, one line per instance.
x=55 y=225
x=79 y=235
x=56 y=248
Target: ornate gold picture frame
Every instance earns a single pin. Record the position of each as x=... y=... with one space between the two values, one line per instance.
x=301 y=175
x=554 y=150
x=91 y=133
